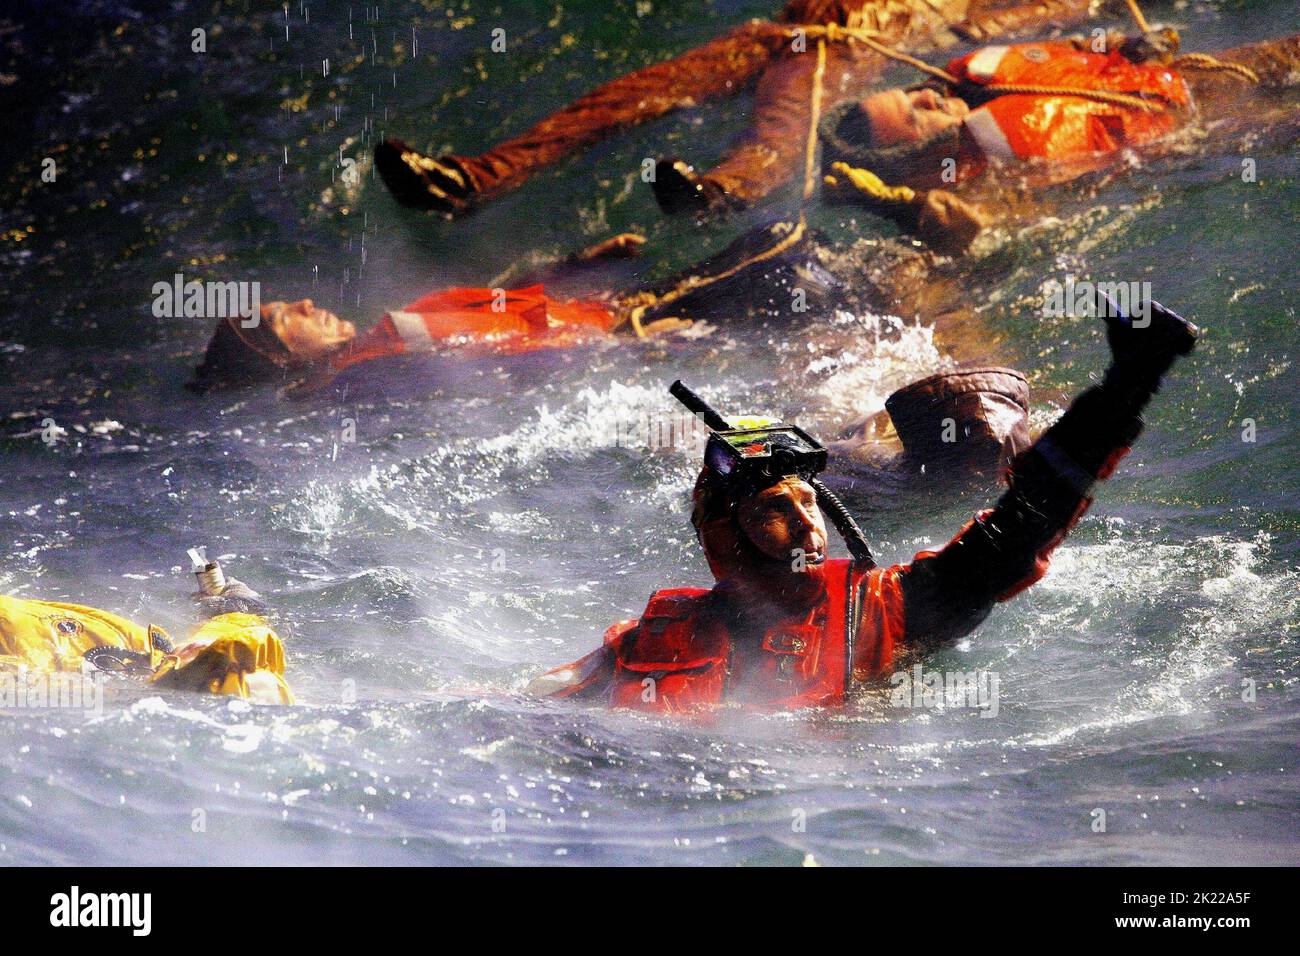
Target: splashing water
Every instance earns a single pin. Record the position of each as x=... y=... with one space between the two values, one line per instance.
x=496 y=520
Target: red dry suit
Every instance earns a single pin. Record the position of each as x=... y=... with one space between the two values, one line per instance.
x=496 y=320
x=1062 y=128
x=682 y=654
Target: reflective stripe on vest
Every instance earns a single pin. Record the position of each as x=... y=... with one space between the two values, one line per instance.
x=986 y=132
x=984 y=64
x=414 y=333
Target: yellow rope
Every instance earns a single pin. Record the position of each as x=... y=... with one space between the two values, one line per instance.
x=868 y=183
x=1101 y=96
x=636 y=306
x=1195 y=61
x=1138 y=17
x=815 y=116
x=838 y=34
x=1203 y=61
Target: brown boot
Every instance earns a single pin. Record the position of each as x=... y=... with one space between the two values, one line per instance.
x=679 y=189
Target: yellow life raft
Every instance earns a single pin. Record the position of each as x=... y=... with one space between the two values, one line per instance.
x=238 y=654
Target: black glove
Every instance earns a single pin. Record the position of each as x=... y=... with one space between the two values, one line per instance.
x=1142 y=353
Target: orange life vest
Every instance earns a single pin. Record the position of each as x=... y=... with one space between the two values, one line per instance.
x=501 y=321
x=1062 y=128
x=679 y=656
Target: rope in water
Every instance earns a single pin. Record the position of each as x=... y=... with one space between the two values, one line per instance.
x=1203 y=61
x=1195 y=61
x=639 y=304
x=814 y=120
x=1138 y=17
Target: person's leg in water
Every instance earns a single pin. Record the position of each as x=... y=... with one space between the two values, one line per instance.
x=770 y=152
x=451 y=184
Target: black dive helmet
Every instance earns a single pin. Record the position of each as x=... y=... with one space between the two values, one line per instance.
x=751 y=459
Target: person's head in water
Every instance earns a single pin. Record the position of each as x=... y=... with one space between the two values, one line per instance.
x=768 y=543
x=897 y=117
x=290 y=337
x=963 y=423
x=309 y=332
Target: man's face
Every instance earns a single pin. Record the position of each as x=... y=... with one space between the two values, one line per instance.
x=784 y=523
x=900 y=116
x=308 y=332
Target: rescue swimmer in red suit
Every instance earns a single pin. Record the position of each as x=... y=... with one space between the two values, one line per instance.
x=767 y=56
x=785 y=627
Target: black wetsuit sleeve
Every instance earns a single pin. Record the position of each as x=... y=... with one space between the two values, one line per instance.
x=947 y=593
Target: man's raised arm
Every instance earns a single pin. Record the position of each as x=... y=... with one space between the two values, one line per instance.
x=947 y=593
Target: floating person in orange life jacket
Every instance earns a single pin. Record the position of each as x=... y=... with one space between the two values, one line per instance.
x=895 y=150
x=785 y=626
x=235 y=652
x=778 y=59
x=754 y=277
x=299 y=342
